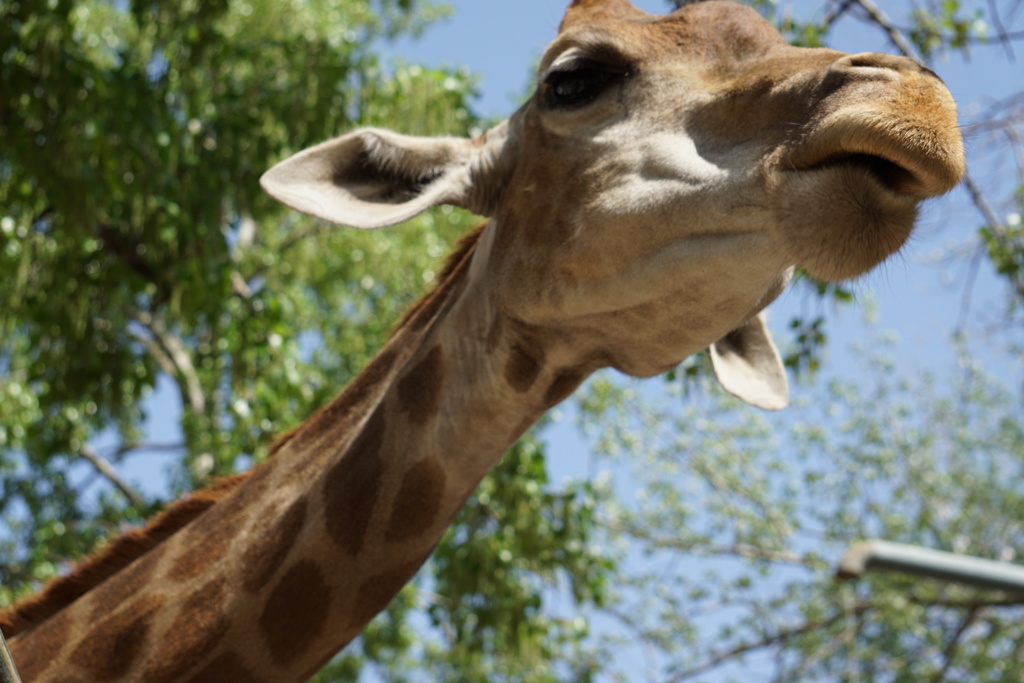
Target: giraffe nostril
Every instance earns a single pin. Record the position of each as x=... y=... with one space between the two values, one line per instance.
x=880 y=60
x=873 y=59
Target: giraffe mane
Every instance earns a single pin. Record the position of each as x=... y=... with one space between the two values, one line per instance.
x=115 y=556
x=121 y=551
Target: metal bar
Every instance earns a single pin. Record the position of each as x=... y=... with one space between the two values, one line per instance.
x=931 y=563
x=8 y=672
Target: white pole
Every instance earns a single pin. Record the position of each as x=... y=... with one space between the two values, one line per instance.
x=909 y=559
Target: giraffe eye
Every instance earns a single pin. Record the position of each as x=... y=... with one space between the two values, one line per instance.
x=578 y=83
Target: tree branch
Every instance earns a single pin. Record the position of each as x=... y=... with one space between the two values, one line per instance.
x=1018 y=148
x=990 y=216
x=974 y=269
x=833 y=15
x=767 y=641
x=1006 y=38
x=239 y=286
x=157 y=353
x=895 y=35
x=1009 y=602
x=746 y=551
x=1001 y=35
x=954 y=643
x=837 y=644
x=648 y=648
x=125 y=449
x=107 y=470
x=992 y=219
x=292 y=241
x=170 y=353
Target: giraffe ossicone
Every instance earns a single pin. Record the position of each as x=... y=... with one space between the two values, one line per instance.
x=649 y=200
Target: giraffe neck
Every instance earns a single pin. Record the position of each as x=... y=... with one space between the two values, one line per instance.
x=276 y=578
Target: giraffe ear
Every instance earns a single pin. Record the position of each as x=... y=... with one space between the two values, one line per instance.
x=749 y=367
x=372 y=178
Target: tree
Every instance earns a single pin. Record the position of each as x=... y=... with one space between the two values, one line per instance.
x=137 y=248
x=743 y=517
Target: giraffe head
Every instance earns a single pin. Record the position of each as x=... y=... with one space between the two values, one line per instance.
x=663 y=181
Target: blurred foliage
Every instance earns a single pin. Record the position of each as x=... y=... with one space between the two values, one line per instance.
x=740 y=516
x=136 y=246
x=517 y=532
x=1004 y=245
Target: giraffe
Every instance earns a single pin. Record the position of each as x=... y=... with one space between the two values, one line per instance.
x=647 y=202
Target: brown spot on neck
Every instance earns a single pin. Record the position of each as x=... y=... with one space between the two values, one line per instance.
x=127 y=583
x=115 y=643
x=210 y=534
x=375 y=594
x=419 y=391
x=418 y=501
x=271 y=546
x=352 y=487
x=227 y=667
x=523 y=366
x=296 y=612
x=196 y=632
x=564 y=384
x=47 y=643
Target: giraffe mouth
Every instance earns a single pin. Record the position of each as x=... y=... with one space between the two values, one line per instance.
x=847 y=194
x=901 y=160
x=887 y=173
